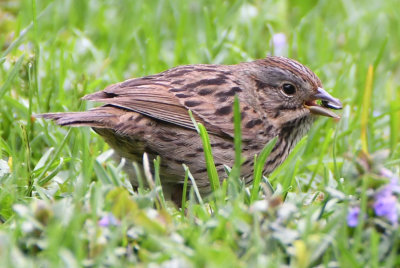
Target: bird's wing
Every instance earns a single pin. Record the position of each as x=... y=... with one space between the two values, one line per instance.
x=205 y=90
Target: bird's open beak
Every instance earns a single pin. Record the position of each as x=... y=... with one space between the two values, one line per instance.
x=327 y=102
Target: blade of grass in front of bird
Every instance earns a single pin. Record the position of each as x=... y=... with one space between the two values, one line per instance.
x=150 y=180
x=139 y=177
x=237 y=134
x=158 y=180
x=194 y=185
x=259 y=163
x=268 y=186
x=324 y=147
x=184 y=193
x=234 y=174
x=194 y=121
x=288 y=183
x=210 y=165
x=147 y=172
x=211 y=169
x=298 y=149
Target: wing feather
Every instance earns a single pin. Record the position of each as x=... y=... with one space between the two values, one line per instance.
x=169 y=95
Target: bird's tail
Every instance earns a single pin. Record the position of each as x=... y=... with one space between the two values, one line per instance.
x=101 y=117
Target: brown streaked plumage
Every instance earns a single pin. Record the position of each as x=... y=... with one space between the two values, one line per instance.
x=150 y=114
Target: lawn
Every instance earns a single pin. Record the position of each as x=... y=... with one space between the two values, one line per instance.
x=64 y=202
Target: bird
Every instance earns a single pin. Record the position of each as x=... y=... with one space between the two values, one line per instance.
x=278 y=97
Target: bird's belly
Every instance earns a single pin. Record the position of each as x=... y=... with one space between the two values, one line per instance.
x=175 y=146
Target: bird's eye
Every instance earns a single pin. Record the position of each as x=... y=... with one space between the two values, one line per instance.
x=288 y=89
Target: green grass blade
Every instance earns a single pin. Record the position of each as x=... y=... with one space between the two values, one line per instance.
x=24 y=32
x=237 y=138
x=381 y=52
x=139 y=177
x=28 y=153
x=158 y=180
x=259 y=163
x=234 y=174
x=394 y=118
x=4 y=88
x=43 y=159
x=210 y=165
x=194 y=121
x=184 y=192
x=55 y=157
x=211 y=169
x=366 y=108
x=52 y=174
x=324 y=148
x=194 y=185
x=101 y=173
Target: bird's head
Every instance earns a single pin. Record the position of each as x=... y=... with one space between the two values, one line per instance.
x=288 y=91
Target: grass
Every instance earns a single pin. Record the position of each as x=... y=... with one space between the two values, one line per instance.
x=65 y=202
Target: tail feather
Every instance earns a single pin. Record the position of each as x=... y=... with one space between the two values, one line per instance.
x=100 y=117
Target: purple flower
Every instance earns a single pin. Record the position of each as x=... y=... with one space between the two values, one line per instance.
x=352 y=216
x=385 y=205
x=385 y=200
x=394 y=180
x=108 y=220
